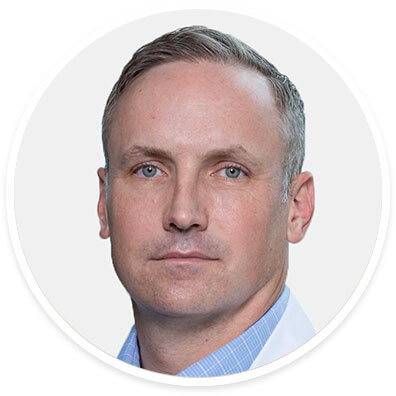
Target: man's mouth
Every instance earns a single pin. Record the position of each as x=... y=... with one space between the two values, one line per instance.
x=180 y=257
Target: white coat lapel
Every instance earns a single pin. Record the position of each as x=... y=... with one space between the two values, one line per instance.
x=293 y=330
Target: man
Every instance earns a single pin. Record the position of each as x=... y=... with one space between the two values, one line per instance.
x=201 y=194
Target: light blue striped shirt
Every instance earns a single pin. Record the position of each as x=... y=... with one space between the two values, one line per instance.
x=234 y=357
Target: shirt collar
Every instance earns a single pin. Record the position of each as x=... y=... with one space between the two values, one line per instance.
x=234 y=357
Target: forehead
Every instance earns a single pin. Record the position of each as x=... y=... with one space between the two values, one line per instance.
x=185 y=107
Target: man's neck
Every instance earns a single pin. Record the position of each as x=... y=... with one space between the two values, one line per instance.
x=171 y=344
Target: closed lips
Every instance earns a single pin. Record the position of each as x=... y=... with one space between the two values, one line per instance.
x=187 y=255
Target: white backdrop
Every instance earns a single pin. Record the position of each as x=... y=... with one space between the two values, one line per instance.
x=36 y=350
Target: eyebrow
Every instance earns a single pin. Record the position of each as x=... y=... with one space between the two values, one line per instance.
x=147 y=151
x=235 y=152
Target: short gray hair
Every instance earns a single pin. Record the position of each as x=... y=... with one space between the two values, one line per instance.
x=198 y=43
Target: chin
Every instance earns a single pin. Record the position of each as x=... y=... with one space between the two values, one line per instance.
x=176 y=305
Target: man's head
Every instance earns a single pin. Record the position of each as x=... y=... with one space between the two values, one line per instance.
x=202 y=138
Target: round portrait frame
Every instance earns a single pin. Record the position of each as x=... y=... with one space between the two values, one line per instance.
x=167 y=379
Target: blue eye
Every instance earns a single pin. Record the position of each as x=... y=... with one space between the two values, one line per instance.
x=147 y=171
x=233 y=173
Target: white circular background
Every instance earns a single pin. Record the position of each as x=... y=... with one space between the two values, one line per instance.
x=56 y=187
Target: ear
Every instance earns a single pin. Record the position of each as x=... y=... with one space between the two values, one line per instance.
x=301 y=207
x=102 y=210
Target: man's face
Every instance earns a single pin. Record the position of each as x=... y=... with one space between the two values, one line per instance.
x=194 y=206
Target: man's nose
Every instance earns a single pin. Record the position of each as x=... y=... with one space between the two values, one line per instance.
x=186 y=209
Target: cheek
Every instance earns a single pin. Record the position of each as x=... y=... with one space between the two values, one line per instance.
x=133 y=217
x=255 y=229
x=134 y=221
x=241 y=217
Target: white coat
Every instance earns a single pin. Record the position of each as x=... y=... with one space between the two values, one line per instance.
x=292 y=330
